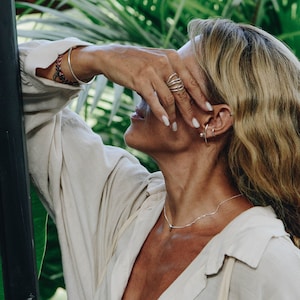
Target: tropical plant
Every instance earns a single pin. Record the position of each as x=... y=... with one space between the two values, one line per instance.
x=154 y=23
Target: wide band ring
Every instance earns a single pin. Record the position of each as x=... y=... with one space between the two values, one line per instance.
x=174 y=83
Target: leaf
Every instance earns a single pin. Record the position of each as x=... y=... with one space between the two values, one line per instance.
x=40 y=217
x=82 y=97
x=118 y=91
x=52 y=273
x=100 y=85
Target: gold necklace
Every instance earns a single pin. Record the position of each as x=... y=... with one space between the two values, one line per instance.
x=171 y=226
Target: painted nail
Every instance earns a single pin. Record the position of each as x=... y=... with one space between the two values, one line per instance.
x=166 y=120
x=195 y=123
x=174 y=126
x=209 y=107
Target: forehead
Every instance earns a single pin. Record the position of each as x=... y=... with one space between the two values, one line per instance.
x=188 y=55
x=186 y=50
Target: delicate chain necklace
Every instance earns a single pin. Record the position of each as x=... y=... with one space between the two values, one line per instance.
x=171 y=226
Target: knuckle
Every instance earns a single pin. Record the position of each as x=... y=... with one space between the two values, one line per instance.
x=172 y=54
x=193 y=83
x=146 y=71
x=168 y=100
x=182 y=96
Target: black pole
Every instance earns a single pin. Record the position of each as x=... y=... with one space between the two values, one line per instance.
x=16 y=238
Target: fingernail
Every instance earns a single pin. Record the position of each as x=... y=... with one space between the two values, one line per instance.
x=166 y=120
x=209 y=107
x=195 y=123
x=174 y=126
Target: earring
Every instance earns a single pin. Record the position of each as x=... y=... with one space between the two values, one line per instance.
x=204 y=134
x=213 y=132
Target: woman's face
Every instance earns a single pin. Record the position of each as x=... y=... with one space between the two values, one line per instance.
x=147 y=134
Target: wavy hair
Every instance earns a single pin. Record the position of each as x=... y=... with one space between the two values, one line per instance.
x=259 y=78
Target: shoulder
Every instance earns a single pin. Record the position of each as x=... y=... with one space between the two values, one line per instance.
x=277 y=275
x=267 y=262
x=282 y=251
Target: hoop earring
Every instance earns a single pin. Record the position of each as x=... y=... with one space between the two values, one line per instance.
x=205 y=134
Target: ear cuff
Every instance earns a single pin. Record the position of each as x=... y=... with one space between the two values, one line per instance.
x=204 y=134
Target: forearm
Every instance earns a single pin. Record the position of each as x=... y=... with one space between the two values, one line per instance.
x=144 y=70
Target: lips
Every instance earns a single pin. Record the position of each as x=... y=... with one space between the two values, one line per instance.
x=140 y=113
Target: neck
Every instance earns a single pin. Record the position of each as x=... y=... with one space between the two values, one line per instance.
x=199 y=218
x=196 y=184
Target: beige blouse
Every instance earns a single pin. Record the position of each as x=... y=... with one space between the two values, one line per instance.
x=105 y=203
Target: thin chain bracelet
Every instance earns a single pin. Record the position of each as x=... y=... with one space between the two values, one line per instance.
x=59 y=73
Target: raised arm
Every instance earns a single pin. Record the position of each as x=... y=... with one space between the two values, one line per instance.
x=89 y=189
x=145 y=70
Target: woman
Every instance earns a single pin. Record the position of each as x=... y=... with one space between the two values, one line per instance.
x=205 y=227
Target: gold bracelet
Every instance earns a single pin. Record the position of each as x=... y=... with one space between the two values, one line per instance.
x=72 y=72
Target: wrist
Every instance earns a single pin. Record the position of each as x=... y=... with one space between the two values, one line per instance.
x=87 y=79
x=94 y=57
x=59 y=75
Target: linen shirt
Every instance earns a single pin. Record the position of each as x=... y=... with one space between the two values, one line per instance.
x=104 y=204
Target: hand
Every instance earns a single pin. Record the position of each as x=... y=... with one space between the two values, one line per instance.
x=146 y=71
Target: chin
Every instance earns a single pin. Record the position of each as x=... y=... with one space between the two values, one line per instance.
x=138 y=140
x=133 y=139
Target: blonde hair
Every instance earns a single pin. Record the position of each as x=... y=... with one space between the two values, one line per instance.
x=259 y=78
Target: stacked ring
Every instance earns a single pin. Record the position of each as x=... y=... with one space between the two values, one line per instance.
x=174 y=83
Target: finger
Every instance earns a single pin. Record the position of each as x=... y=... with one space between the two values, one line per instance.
x=151 y=97
x=182 y=99
x=167 y=100
x=190 y=83
x=163 y=101
x=183 y=102
x=197 y=95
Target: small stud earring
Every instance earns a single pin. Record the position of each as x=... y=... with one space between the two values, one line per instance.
x=213 y=132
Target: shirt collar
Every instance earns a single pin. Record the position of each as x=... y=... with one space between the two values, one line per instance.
x=245 y=238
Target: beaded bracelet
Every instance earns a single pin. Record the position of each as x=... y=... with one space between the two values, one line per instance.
x=59 y=73
x=72 y=72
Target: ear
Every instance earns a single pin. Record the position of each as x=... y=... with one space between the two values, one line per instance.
x=218 y=122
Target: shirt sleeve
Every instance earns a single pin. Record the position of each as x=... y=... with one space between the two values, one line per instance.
x=89 y=189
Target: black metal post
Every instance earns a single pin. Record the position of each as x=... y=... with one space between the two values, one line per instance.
x=16 y=238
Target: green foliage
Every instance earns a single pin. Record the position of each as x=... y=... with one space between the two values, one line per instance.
x=154 y=23
x=52 y=273
x=39 y=224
